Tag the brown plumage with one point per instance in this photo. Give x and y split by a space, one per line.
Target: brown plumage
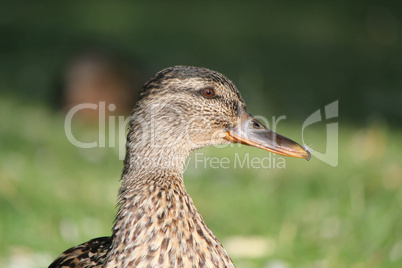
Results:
179 110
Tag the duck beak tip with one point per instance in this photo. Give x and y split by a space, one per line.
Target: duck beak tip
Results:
308 157
266 139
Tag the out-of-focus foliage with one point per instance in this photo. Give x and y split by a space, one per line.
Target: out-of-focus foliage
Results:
287 57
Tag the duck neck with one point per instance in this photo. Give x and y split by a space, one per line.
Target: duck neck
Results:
153 169
152 163
157 223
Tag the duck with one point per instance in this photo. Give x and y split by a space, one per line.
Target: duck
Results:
179 110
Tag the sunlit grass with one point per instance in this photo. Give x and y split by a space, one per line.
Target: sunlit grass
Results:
54 195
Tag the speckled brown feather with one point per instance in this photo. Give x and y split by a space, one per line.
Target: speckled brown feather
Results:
91 254
157 224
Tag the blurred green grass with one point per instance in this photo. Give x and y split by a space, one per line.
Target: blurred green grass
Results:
54 195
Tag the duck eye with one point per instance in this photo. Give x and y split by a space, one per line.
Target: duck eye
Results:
208 93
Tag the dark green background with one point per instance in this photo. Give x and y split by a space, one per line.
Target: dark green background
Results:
291 57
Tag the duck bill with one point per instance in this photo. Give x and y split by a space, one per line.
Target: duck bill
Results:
253 133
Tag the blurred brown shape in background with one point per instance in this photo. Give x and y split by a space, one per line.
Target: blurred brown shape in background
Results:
95 76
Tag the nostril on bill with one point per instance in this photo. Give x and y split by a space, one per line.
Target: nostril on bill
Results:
256 125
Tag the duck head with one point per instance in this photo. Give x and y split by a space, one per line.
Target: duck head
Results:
184 108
